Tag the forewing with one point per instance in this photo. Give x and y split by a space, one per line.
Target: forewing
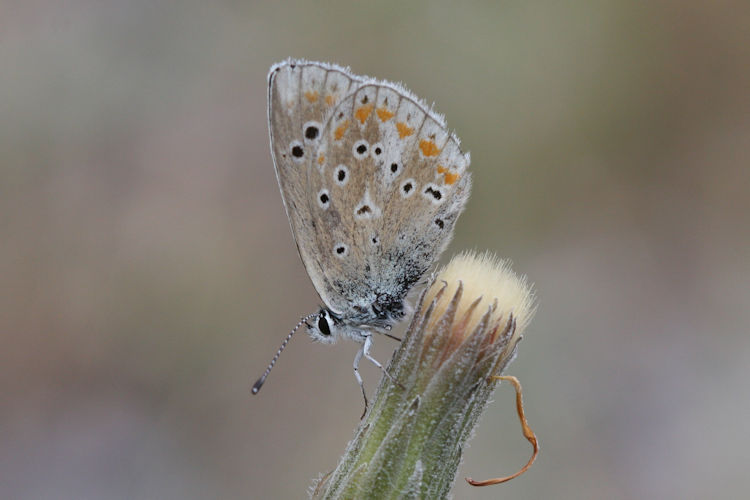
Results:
301 96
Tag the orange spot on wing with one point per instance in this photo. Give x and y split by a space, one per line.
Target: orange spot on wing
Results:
330 100
321 159
340 130
428 147
451 178
363 113
312 96
384 114
404 130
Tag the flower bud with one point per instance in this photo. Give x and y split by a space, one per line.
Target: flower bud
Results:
464 331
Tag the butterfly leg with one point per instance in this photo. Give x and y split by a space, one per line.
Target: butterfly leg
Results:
366 351
357 359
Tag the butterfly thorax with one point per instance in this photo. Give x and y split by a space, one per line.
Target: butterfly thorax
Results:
357 323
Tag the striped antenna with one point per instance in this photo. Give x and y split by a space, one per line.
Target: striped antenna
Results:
259 383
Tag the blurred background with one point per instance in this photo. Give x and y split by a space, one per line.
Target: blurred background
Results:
148 272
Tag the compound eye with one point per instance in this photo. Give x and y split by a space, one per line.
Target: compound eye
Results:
323 325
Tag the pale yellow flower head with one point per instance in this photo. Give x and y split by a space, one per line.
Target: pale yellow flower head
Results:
488 282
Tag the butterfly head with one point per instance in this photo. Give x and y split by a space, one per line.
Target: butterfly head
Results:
325 327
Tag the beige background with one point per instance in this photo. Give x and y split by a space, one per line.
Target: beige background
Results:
148 272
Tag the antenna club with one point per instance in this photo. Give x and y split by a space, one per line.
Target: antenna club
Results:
257 385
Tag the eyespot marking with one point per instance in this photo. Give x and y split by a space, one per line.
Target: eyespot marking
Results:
433 193
408 187
393 170
324 199
440 223
311 130
366 209
298 152
359 150
341 175
340 250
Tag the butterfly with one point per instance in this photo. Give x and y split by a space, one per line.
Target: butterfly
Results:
372 182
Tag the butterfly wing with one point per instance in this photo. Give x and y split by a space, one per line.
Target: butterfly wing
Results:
387 186
301 96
